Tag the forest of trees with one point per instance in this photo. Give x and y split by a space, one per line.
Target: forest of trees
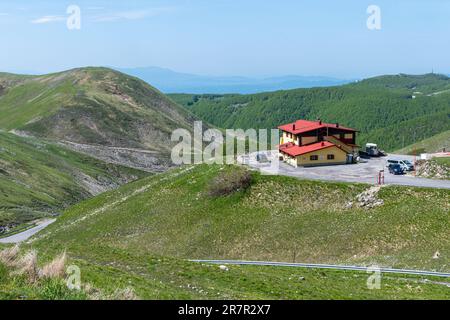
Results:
393 111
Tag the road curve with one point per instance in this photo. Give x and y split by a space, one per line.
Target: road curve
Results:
325 266
25 235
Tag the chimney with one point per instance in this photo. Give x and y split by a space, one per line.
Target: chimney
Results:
337 124
323 143
293 127
319 120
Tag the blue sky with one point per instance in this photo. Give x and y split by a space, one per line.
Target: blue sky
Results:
229 37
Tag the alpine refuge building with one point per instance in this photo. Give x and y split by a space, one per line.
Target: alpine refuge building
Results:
312 143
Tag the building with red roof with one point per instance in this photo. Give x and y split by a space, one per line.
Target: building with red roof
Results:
310 143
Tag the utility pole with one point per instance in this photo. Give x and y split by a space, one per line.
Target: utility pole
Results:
415 151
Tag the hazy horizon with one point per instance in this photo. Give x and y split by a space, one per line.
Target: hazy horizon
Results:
259 77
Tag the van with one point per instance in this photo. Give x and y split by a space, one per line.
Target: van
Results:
405 164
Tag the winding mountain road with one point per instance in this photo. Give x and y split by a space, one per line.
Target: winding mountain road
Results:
25 235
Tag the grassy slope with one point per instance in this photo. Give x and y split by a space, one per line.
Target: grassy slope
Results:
14 287
434 144
164 278
91 105
39 178
443 161
381 108
170 215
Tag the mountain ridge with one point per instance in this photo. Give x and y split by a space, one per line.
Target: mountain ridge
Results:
95 106
169 81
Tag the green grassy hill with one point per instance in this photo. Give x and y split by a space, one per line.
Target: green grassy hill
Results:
141 234
91 106
392 111
421 84
110 275
434 144
38 178
121 237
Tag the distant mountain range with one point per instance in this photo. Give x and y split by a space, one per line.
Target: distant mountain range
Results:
169 81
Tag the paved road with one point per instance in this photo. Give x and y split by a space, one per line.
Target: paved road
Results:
22 236
324 266
366 172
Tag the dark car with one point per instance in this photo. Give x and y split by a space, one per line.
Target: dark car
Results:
261 157
395 168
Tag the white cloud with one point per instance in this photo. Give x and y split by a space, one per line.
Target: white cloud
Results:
131 15
48 19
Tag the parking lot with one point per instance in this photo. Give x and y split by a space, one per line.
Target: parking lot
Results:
364 172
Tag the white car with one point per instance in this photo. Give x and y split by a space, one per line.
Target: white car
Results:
405 164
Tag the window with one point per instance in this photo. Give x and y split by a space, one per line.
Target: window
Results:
314 158
330 157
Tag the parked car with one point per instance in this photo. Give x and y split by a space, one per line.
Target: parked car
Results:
405 164
395 168
409 164
262 158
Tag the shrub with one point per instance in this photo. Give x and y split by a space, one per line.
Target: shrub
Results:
28 267
56 289
230 181
27 264
8 256
56 268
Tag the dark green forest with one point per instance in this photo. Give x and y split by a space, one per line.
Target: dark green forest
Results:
393 111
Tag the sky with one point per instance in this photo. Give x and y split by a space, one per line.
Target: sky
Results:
228 37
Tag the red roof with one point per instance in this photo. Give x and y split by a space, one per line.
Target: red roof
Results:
301 126
294 150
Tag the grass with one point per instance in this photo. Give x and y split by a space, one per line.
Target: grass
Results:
442 161
93 106
17 288
153 277
21 277
140 234
38 178
277 218
32 99
430 145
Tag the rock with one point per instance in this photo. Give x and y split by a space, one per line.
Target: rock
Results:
223 268
436 255
432 169
368 199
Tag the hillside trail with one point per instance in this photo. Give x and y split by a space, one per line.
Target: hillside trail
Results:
113 204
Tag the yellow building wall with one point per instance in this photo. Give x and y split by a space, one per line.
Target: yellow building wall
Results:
285 138
291 160
340 157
